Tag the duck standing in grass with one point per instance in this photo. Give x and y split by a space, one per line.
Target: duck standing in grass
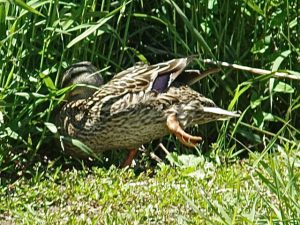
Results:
142 103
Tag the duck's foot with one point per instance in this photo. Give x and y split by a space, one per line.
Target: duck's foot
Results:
132 154
185 138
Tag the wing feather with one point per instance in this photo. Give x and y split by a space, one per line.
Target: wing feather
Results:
140 79
144 76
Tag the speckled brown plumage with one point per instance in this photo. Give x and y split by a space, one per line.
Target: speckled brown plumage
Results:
138 105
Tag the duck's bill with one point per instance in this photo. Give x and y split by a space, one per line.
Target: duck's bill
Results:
224 114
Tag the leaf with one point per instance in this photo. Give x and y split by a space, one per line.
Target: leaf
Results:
93 28
260 46
150 17
211 4
283 87
255 100
279 59
48 81
83 147
191 27
12 134
190 160
249 135
51 127
1 118
9 77
138 54
241 88
2 21
258 118
269 117
26 7
255 7
89 31
184 161
23 94
173 159
199 174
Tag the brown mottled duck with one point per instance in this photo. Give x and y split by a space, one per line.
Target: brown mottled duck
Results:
139 104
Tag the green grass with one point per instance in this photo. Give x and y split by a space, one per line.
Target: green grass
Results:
198 191
246 170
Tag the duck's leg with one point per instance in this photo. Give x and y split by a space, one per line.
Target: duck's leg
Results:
185 138
130 157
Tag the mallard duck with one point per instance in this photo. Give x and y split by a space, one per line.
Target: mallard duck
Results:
139 104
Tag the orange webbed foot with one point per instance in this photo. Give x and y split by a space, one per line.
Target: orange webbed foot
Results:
185 138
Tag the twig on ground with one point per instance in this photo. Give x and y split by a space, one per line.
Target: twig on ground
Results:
155 157
164 148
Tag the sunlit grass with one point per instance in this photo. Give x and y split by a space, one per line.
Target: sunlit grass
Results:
252 191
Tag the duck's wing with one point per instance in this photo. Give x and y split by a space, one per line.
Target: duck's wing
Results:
143 77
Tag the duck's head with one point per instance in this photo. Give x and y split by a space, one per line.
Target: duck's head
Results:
86 78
